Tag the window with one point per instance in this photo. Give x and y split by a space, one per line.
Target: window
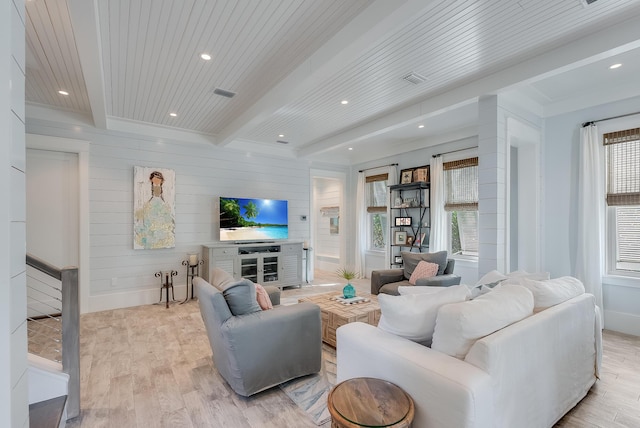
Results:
622 151
376 189
461 203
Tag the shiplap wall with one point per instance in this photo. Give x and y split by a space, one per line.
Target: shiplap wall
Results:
13 307
122 276
326 193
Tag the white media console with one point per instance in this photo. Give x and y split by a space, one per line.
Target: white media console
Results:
277 263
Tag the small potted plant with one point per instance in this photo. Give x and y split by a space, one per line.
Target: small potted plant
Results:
349 290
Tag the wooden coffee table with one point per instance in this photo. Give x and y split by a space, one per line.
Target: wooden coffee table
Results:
334 314
368 402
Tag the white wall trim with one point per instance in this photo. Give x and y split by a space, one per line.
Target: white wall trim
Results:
127 299
81 147
622 322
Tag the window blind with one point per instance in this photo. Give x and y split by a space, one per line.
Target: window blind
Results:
623 167
461 185
628 228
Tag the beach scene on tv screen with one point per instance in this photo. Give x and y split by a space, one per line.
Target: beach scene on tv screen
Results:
253 219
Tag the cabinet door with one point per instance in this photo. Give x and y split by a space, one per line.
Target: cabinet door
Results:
249 269
270 269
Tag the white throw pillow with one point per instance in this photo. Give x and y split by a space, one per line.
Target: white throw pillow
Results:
516 278
491 277
413 316
459 325
553 291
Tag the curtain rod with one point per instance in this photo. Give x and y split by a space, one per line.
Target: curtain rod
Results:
381 166
609 118
453 151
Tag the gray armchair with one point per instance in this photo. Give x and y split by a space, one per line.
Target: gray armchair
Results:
387 281
258 350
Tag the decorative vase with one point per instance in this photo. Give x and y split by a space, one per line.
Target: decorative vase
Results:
348 291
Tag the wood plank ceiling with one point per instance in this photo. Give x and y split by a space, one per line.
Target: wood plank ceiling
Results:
290 62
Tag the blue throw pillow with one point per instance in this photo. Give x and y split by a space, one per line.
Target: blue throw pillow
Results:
241 297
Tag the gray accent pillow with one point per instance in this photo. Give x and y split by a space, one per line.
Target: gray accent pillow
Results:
241 297
411 260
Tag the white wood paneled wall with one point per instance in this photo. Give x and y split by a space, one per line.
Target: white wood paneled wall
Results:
122 276
13 306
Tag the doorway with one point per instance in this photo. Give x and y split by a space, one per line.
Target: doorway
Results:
52 222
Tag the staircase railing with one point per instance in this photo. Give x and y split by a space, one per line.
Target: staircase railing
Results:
70 314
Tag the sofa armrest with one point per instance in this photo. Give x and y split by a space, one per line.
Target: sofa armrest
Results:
447 392
274 294
440 280
385 276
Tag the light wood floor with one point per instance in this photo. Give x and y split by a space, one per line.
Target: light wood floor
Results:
150 367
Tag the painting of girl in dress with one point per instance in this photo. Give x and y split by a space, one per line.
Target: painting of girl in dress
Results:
154 208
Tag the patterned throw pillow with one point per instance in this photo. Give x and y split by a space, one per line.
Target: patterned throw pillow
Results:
423 270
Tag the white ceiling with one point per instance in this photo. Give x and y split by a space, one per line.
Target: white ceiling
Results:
128 63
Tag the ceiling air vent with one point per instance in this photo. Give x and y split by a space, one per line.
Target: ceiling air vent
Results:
282 142
224 93
414 78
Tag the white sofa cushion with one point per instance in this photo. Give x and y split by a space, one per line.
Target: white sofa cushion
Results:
553 291
459 325
413 316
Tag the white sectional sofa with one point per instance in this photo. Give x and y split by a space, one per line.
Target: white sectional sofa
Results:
528 374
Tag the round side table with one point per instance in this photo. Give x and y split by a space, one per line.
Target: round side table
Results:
369 402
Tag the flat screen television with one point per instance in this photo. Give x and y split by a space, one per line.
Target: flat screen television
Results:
253 219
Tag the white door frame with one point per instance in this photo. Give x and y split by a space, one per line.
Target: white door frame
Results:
68 145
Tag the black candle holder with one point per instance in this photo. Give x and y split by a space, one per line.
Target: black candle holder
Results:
193 270
168 284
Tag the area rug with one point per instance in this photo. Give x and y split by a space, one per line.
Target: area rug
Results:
310 393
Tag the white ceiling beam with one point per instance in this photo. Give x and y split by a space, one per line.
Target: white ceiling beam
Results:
595 47
376 22
86 29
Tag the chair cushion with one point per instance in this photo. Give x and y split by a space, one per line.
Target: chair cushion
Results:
411 260
241 297
423 270
413 316
459 325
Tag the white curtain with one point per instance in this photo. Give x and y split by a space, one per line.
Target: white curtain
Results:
438 234
591 213
361 226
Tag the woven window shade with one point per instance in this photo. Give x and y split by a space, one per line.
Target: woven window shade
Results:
377 193
461 184
623 167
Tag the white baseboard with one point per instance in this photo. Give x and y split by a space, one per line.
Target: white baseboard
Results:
622 322
127 299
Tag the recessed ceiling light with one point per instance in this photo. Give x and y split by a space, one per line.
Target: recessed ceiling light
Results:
281 135
420 126
350 148
205 56
344 102
614 66
173 114
63 92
